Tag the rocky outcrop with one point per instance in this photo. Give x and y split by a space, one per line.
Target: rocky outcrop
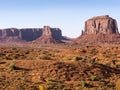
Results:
101 24
10 35
50 35
100 30
30 34
40 35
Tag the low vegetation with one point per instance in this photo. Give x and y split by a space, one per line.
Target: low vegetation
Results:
45 68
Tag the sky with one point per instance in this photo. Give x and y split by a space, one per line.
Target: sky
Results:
68 15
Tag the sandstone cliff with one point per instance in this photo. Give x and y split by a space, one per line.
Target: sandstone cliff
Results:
50 35
30 34
101 24
100 30
10 35
40 35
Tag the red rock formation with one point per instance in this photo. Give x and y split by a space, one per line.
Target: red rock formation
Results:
40 35
50 35
10 35
101 24
46 31
100 30
30 34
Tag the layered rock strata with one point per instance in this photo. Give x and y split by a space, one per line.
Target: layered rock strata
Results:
99 30
31 34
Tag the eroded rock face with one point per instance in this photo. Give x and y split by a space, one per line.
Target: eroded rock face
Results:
54 32
30 34
10 35
46 31
42 35
101 24
50 35
99 30
9 32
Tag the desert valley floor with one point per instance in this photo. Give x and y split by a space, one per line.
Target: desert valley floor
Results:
59 67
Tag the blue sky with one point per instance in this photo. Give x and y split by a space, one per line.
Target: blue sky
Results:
68 15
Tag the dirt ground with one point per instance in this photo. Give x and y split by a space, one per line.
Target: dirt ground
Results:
84 68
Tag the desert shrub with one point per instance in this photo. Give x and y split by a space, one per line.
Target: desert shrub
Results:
72 58
102 83
83 84
22 57
84 51
118 66
31 58
27 52
56 51
114 61
20 87
16 56
106 53
84 58
8 58
53 84
14 49
92 62
12 66
67 58
66 88
93 77
45 57
94 51
34 88
77 58
108 64
44 52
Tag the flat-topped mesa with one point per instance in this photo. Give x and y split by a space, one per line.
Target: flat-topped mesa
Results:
99 30
30 34
101 17
18 35
50 35
39 35
53 32
10 35
101 24
9 32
